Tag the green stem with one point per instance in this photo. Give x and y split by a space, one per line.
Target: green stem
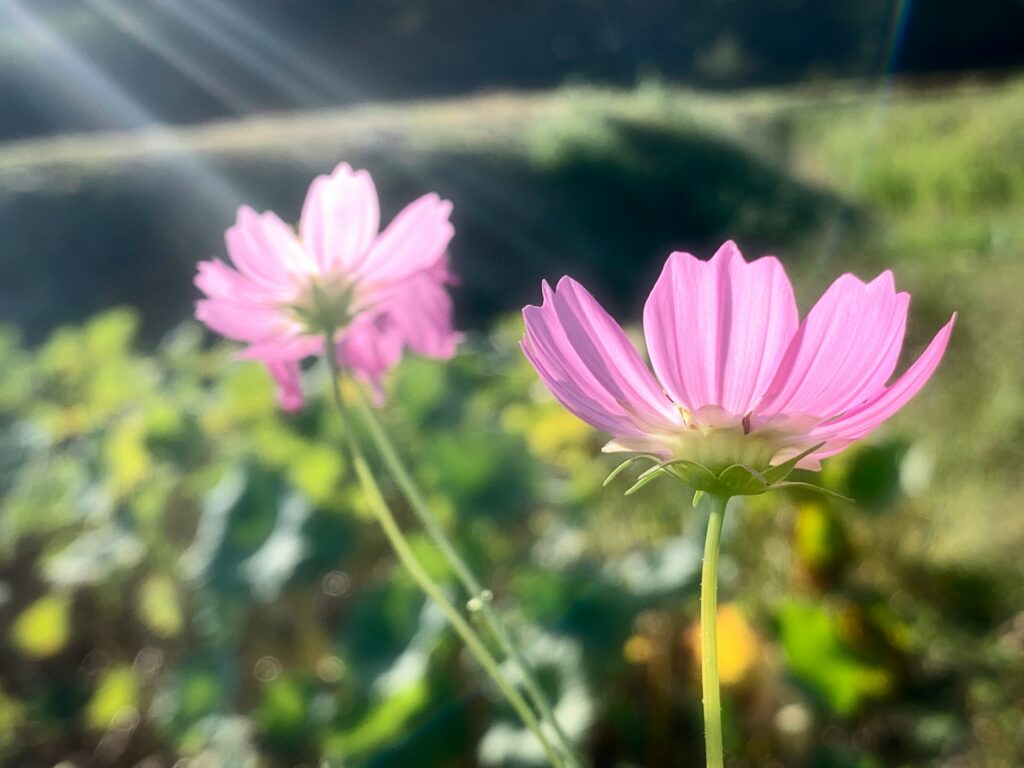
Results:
423 579
464 574
709 635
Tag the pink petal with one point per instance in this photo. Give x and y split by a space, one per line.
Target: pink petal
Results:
340 219
417 315
288 378
239 322
653 445
219 281
370 348
845 351
421 312
859 422
590 366
415 241
266 250
717 330
289 345
581 403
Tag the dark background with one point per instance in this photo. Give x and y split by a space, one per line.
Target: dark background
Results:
337 53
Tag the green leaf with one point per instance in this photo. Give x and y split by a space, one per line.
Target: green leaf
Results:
873 474
115 697
781 471
159 605
283 710
811 635
378 726
316 470
44 627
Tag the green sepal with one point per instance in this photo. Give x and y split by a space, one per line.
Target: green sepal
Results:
644 479
812 487
734 480
626 464
780 472
695 475
697 496
742 480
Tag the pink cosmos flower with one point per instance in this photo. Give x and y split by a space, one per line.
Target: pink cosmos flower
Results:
379 293
738 378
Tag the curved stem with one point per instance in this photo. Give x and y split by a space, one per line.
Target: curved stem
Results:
426 583
462 571
709 635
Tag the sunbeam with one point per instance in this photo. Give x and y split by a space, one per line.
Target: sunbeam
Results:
229 43
133 26
897 31
75 78
254 45
321 80
270 57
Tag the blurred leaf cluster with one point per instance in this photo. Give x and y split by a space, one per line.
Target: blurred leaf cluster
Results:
185 572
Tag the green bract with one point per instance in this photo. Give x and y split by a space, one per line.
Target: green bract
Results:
326 306
733 480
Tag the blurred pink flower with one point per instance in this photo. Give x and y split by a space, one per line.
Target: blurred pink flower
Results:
738 379
381 292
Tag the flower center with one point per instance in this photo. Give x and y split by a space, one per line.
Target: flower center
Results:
717 439
325 305
720 447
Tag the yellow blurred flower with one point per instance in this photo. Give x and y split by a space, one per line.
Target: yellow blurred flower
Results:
552 433
739 648
638 649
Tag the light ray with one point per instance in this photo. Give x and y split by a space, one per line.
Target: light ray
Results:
897 32
326 82
253 43
258 48
85 85
226 42
135 27
504 215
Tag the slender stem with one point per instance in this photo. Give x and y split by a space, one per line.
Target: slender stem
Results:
426 583
461 626
463 572
709 635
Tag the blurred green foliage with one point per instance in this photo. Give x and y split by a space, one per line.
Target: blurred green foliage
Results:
198 578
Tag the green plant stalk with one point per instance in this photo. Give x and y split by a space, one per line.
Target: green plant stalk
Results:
709 635
464 574
408 558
